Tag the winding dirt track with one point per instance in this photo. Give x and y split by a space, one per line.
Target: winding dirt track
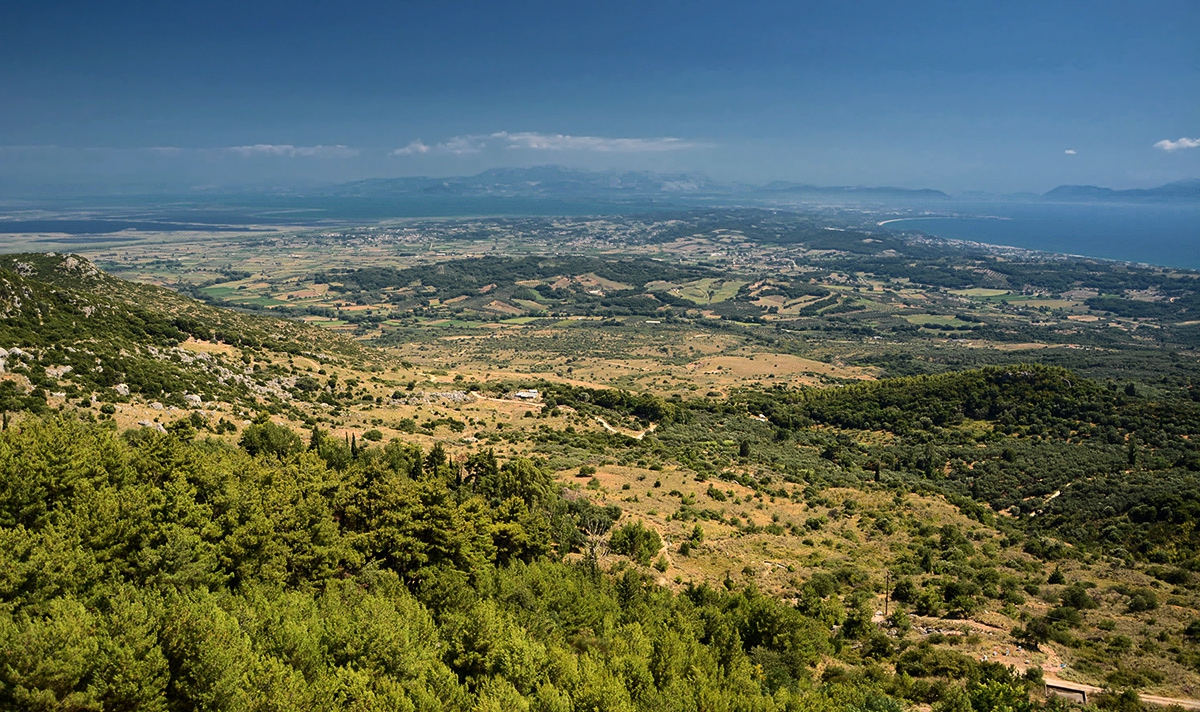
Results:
1052 681
636 436
1053 661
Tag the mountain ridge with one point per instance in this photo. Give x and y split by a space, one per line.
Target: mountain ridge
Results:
1183 190
553 181
559 181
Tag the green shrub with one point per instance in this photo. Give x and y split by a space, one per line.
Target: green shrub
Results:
264 437
636 541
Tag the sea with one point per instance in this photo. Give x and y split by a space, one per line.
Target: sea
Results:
1159 234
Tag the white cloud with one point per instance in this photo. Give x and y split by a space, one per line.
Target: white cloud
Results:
414 147
1070 152
458 145
563 142
532 141
1177 145
290 151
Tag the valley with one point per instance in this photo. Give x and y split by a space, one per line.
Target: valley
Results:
939 456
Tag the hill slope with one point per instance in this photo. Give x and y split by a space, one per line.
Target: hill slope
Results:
72 329
584 548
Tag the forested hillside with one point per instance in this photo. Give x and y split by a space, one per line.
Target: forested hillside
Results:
1097 464
153 572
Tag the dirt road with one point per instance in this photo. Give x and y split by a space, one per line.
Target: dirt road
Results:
1069 686
636 436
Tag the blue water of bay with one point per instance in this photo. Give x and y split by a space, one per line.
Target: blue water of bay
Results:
1159 234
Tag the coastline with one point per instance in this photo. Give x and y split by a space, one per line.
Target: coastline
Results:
943 217
1151 235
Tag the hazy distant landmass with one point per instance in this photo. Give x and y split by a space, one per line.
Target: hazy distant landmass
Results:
539 181
559 182
850 191
566 183
1184 190
553 182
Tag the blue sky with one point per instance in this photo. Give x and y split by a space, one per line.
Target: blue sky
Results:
999 96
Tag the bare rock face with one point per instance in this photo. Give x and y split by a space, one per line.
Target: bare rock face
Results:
78 266
152 424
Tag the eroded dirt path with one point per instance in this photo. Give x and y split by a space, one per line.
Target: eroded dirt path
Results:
636 436
1080 687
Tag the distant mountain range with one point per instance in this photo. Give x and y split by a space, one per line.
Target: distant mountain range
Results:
1184 190
559 182
565 183
560 185
536 182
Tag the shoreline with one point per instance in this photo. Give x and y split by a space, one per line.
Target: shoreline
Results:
1165 243
943 217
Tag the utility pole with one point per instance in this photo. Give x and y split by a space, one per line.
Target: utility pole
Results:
887 591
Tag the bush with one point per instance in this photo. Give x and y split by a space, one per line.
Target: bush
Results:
266 438
373 435
927 661
636 541
1076 596
1142 599
1192 630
